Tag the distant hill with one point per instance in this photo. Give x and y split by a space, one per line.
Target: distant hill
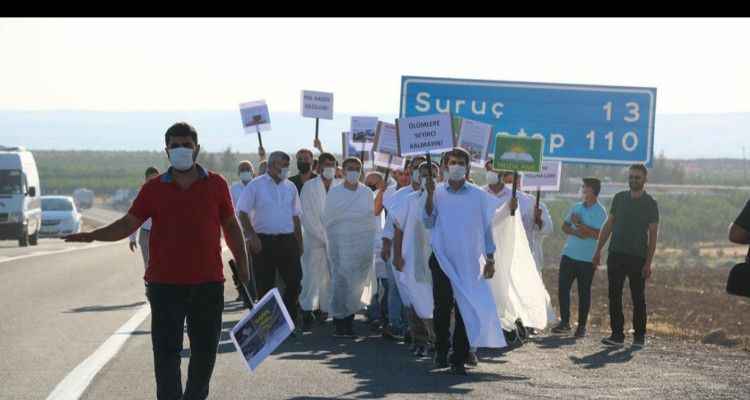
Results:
679 136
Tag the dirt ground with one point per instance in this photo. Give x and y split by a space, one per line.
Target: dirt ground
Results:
688 303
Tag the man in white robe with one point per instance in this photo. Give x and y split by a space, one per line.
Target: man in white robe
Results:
411 257
459 214
397 296
316 275
350 231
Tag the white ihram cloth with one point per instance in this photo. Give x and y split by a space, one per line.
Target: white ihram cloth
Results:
316 274
391 204
350 229
415 249
458 241
517 286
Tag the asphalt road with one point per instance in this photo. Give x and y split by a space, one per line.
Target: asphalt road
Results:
58 309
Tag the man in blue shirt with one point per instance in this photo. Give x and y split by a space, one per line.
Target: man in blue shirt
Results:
582 225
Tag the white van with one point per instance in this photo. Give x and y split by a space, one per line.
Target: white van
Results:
20 197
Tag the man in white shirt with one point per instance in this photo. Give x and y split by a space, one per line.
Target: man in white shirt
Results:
246 172
142 235
270 215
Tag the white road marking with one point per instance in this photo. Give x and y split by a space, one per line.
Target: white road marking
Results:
76 382
50 252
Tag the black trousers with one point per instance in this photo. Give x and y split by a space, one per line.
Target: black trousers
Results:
280 253
444 304
570 270
171 305
619 267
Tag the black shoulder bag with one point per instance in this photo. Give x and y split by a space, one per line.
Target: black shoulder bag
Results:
738 283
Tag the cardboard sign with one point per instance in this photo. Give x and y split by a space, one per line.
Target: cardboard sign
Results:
316 104
351 149
429 133
548 180
518 153
363 131
255 116
385 147
475 137
262 330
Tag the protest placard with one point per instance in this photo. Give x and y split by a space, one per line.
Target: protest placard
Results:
350 149
476 138
429 133
262 330
385 147
316 104
518 153
363 132
255 116
548 180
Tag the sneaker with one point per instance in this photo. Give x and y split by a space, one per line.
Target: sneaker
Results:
440 360
391 334
613 341
472 359
418 351
581 332
638 343
561 328
458 369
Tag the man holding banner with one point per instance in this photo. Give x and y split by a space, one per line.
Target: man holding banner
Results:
459 215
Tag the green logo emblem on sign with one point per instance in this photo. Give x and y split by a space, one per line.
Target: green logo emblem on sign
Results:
518 153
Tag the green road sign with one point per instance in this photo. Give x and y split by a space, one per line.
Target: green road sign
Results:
518 153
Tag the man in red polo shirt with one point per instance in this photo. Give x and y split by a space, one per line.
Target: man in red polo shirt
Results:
188 206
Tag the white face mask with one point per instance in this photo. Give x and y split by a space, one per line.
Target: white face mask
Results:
492 178
181 158
246 176
352 176
329 173
456 172
423 181
284 173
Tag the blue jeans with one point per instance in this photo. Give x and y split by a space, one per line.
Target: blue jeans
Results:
378 305
395 306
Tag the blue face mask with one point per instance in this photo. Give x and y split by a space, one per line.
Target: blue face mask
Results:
181 158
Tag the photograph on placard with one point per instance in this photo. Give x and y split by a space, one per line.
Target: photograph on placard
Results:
474 137
389 161
262 330
255 116
518 153
316 104
352 149
363 130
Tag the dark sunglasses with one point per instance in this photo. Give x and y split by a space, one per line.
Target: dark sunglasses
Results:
635 178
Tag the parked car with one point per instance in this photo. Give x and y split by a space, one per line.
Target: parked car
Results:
20 208
84 198
59 216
